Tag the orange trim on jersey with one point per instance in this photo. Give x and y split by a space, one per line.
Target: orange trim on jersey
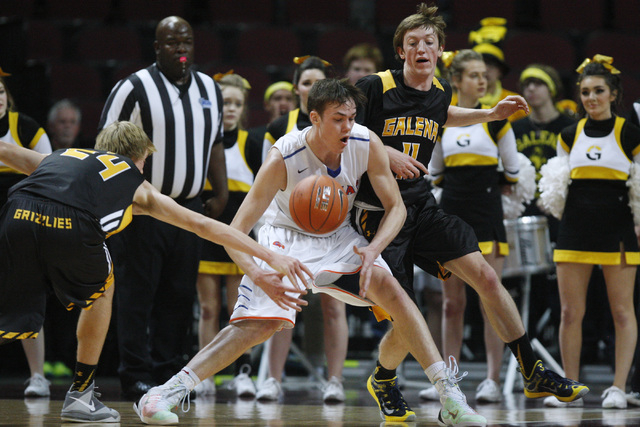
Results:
237 319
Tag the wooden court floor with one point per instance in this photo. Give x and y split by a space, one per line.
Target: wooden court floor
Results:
303 406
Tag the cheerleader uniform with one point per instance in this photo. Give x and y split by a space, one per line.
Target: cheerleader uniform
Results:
597 217
242 158
294 120
464 163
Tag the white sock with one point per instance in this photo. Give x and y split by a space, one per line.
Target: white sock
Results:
436 371
188 378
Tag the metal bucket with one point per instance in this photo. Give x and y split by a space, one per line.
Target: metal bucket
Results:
529 246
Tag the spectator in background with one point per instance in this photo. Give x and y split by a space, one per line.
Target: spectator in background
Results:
63 124
487 41
278 101
243 156
21 130
361 60
156 263
633 397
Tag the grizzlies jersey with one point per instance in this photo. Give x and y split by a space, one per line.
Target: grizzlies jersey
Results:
301 162
98 182
407 119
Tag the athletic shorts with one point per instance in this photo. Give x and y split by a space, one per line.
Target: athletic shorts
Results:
46 246
329 259
429 238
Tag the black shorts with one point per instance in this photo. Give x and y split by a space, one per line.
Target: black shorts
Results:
47 246
429 238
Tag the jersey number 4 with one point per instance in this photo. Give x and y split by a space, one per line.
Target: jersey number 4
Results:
111 167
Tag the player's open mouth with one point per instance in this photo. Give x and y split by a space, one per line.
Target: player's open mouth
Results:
422 60
344 140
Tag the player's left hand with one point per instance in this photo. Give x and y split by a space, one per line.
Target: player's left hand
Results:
368 256
508 106
293 268
404 165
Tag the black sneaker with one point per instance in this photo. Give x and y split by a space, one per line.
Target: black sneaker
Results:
544 382
392 405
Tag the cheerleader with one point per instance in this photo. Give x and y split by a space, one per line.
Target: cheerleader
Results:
597 226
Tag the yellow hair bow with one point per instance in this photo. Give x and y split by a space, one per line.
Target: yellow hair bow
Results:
493 21
218 76
447 57
4 74
606 61
300 59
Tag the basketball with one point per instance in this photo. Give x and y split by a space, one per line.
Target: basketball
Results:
318 204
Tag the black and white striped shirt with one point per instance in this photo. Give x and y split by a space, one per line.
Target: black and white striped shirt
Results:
183 124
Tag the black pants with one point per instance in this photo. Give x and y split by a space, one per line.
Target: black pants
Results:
156 268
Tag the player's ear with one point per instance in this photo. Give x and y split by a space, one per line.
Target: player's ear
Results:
314 117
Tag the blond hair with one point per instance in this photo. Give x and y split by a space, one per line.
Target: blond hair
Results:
425 17
126 139
239 82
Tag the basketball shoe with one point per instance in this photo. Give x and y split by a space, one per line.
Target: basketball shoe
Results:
455 410
392 405
84 407
544 382
156 405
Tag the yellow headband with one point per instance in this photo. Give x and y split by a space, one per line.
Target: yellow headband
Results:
3 74
273 88
600 59
490 49
218 76
447 57
537 73
300 59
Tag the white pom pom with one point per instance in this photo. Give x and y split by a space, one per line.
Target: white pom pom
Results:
634 191
513 204
554 185
437 192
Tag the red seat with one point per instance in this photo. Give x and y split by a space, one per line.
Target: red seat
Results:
467 14
572 14
620 46
331 12
79 9
125 70
155 10
44 40
75 80
208 46
333 44
104 43
389 13
522 48
91 111
625 14
246 11
456 40
630 89
268 46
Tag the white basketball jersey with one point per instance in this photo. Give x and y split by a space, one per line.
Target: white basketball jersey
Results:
301 162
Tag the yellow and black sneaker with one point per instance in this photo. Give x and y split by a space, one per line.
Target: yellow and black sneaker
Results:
544 382
392 405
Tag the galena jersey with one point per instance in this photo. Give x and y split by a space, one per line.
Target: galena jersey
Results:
301 162
406 119
98 182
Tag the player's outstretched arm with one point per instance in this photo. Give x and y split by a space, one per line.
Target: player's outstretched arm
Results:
20 158
148 200
385 187
458 116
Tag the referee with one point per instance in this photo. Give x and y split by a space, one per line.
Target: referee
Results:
156 263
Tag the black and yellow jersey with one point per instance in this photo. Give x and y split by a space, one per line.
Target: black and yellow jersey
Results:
98 182
293 120
407 119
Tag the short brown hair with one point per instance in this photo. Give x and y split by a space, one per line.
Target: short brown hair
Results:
126 139
425 17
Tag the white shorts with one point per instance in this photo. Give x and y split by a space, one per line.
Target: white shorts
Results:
328 258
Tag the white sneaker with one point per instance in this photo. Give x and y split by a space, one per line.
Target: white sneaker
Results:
429 393
488 391
243 383
613 397
38 386
269 390
633 398
333 391
205 388
553 402
156 405
455 410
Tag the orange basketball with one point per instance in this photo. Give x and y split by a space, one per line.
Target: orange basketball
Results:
318 204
